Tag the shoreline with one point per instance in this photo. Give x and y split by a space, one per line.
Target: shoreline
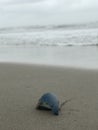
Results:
21 86
28 64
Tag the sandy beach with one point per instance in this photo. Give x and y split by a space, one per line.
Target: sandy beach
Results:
22 85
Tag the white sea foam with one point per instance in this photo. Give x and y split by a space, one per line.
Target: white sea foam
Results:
49 36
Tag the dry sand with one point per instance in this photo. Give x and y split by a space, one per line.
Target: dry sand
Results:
22 85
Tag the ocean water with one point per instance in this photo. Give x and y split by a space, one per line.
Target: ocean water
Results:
64 45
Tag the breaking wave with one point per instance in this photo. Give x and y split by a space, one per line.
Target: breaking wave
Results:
54 35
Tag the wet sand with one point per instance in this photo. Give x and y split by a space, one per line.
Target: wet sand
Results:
22 85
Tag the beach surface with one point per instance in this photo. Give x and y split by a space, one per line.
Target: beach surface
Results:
22 85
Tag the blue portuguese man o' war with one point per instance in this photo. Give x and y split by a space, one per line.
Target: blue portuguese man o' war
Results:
49 101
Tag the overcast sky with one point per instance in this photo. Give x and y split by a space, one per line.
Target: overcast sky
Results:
36 12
